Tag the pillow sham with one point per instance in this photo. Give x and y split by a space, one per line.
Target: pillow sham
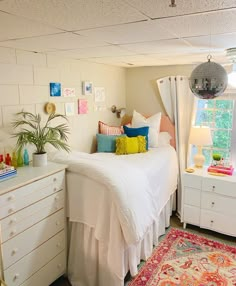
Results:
105 129
106 143
134 132
164 139
130 145
153 122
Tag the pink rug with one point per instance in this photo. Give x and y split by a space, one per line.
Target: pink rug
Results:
187 259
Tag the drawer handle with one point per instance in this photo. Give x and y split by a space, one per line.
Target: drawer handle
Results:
11 210
56 198
212 221
11 197
213 188
12 220
59 245
54 180
14 251
55 189
59 265
16 276
13 232
58 222
212 204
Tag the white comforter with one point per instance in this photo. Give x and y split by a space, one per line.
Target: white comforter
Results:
134 182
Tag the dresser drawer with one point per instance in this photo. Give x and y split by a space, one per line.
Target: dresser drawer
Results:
25 242
218 222
218 203
20 221
192 196
192 181
192 215
29 194
219 186
32 262
49 273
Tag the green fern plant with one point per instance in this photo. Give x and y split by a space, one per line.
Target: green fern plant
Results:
31 132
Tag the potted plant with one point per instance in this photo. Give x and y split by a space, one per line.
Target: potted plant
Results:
32 132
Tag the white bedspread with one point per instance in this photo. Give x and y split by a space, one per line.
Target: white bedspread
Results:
134 183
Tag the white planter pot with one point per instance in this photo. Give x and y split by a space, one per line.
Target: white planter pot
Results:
40 160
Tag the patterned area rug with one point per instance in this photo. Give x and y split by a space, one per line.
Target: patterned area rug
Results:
187 259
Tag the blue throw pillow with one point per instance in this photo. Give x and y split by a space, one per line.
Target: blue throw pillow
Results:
107 143
133 132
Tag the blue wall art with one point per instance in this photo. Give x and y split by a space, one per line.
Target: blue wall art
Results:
55 89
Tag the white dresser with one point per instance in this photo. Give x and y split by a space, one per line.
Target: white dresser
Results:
209 201
32 221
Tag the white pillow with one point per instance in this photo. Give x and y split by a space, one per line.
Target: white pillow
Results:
152 122
164 139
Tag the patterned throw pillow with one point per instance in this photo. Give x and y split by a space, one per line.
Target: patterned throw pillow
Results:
130 145
133 132
109 130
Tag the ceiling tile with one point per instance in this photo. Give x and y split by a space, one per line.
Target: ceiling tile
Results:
159 46
130 33
161 8
106 51
74 15
214 42
13 27
61 41
201 24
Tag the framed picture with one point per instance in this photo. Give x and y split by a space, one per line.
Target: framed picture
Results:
55 89
87 88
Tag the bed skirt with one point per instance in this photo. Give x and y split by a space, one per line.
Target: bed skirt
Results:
88 263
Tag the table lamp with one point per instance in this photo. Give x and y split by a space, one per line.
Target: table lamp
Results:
200 136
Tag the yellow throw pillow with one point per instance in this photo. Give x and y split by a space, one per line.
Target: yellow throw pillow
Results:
130 145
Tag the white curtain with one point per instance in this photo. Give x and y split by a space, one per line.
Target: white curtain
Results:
179 102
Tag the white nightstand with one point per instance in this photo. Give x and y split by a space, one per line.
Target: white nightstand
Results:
209 201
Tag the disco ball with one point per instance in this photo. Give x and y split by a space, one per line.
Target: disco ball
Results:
208 80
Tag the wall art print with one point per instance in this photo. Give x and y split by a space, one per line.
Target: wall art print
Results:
82 106
87 87
55 89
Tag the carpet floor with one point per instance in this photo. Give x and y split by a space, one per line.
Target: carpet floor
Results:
175 222
184 258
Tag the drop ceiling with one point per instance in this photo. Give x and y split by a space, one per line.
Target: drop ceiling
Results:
126 33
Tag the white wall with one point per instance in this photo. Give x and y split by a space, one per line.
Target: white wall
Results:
24 84
142 92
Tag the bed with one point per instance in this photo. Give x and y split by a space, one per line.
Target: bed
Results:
118 206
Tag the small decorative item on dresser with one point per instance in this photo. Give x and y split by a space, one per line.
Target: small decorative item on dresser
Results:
33 132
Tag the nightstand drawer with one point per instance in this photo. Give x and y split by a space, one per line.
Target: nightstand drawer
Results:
192 196
192 215
192 181
218 203
25 242
31 263
20 221
218 222
219 186
50 272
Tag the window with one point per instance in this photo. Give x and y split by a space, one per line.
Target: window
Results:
218 115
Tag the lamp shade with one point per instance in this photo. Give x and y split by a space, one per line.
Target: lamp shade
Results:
200 136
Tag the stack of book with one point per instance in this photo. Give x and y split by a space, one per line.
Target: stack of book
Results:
6 172
221 169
